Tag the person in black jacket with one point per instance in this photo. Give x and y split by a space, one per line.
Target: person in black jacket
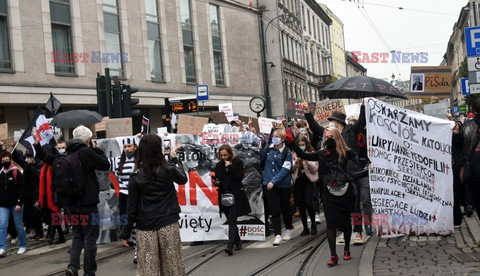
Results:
229 173
85 233
153 205
334 161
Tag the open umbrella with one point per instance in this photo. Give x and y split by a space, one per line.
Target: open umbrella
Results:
74 118
360 87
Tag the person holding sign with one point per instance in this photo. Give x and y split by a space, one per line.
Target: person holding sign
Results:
338 195
229 173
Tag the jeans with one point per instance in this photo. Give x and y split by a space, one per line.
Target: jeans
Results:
84 237
18 219
363 201
279 203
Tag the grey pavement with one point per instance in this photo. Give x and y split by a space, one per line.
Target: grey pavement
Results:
458 254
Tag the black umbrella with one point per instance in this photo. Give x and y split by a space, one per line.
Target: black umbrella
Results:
74 118
360 87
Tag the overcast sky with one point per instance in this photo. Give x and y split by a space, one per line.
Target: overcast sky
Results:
422 26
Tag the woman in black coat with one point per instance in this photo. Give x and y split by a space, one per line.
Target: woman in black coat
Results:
229 173
335 160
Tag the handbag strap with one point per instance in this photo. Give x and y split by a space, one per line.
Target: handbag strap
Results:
346 174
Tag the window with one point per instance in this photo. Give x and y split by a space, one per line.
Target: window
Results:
188 50
309 25
303 18
112 37
5 60
314 29
62 37
154 43
217 45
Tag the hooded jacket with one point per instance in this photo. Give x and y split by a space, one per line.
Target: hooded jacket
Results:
11 187
152 202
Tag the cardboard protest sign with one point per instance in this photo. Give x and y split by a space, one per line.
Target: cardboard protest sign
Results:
162 130
295 108
119 127
219 117
353 110
325 108
102 126
254 121
411 178
190 124
4 131
438 110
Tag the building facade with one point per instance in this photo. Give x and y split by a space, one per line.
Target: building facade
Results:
298 57
337 38
163 47
354 68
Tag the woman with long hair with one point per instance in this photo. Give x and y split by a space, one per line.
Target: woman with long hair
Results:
229 173
304 176
153 206
334 161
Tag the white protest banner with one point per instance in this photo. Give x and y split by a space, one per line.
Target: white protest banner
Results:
227 108
214 129
411 179
265 124
438 110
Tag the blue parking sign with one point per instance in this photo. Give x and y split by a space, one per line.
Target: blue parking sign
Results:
472 41
465 87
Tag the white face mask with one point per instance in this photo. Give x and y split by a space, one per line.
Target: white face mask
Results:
61 151
303 147
332 124
276 141
235 129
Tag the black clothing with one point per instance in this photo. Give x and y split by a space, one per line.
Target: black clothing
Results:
153 203
12 187
230 179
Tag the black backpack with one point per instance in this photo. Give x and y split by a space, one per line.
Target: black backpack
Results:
68 176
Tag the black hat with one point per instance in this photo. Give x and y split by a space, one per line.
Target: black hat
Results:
338 116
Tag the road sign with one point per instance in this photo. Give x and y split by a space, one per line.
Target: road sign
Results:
474 88
472 41
455 109
474 77
473 63
202 93
465 87
53 104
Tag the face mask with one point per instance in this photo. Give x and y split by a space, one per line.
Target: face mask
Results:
235 129
301 129
330 144
129 154
303 147
61 151
6 165
276 141
332 124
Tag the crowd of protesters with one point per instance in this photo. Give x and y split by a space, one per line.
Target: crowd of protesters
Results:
303 161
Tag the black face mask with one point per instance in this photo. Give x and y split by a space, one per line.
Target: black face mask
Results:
129 154
6 165
330 144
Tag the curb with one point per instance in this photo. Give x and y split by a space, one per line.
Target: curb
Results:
474 227
365 267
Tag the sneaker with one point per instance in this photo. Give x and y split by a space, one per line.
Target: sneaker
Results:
317 218
341 239
358 239
21 250
457 226
369 230
3 252
288 235
278 240
14 241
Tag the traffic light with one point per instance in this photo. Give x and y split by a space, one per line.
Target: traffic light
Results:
101 95
128 102
117 99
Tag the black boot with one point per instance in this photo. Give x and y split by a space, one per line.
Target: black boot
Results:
314 229
305 232
229 249
238 245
